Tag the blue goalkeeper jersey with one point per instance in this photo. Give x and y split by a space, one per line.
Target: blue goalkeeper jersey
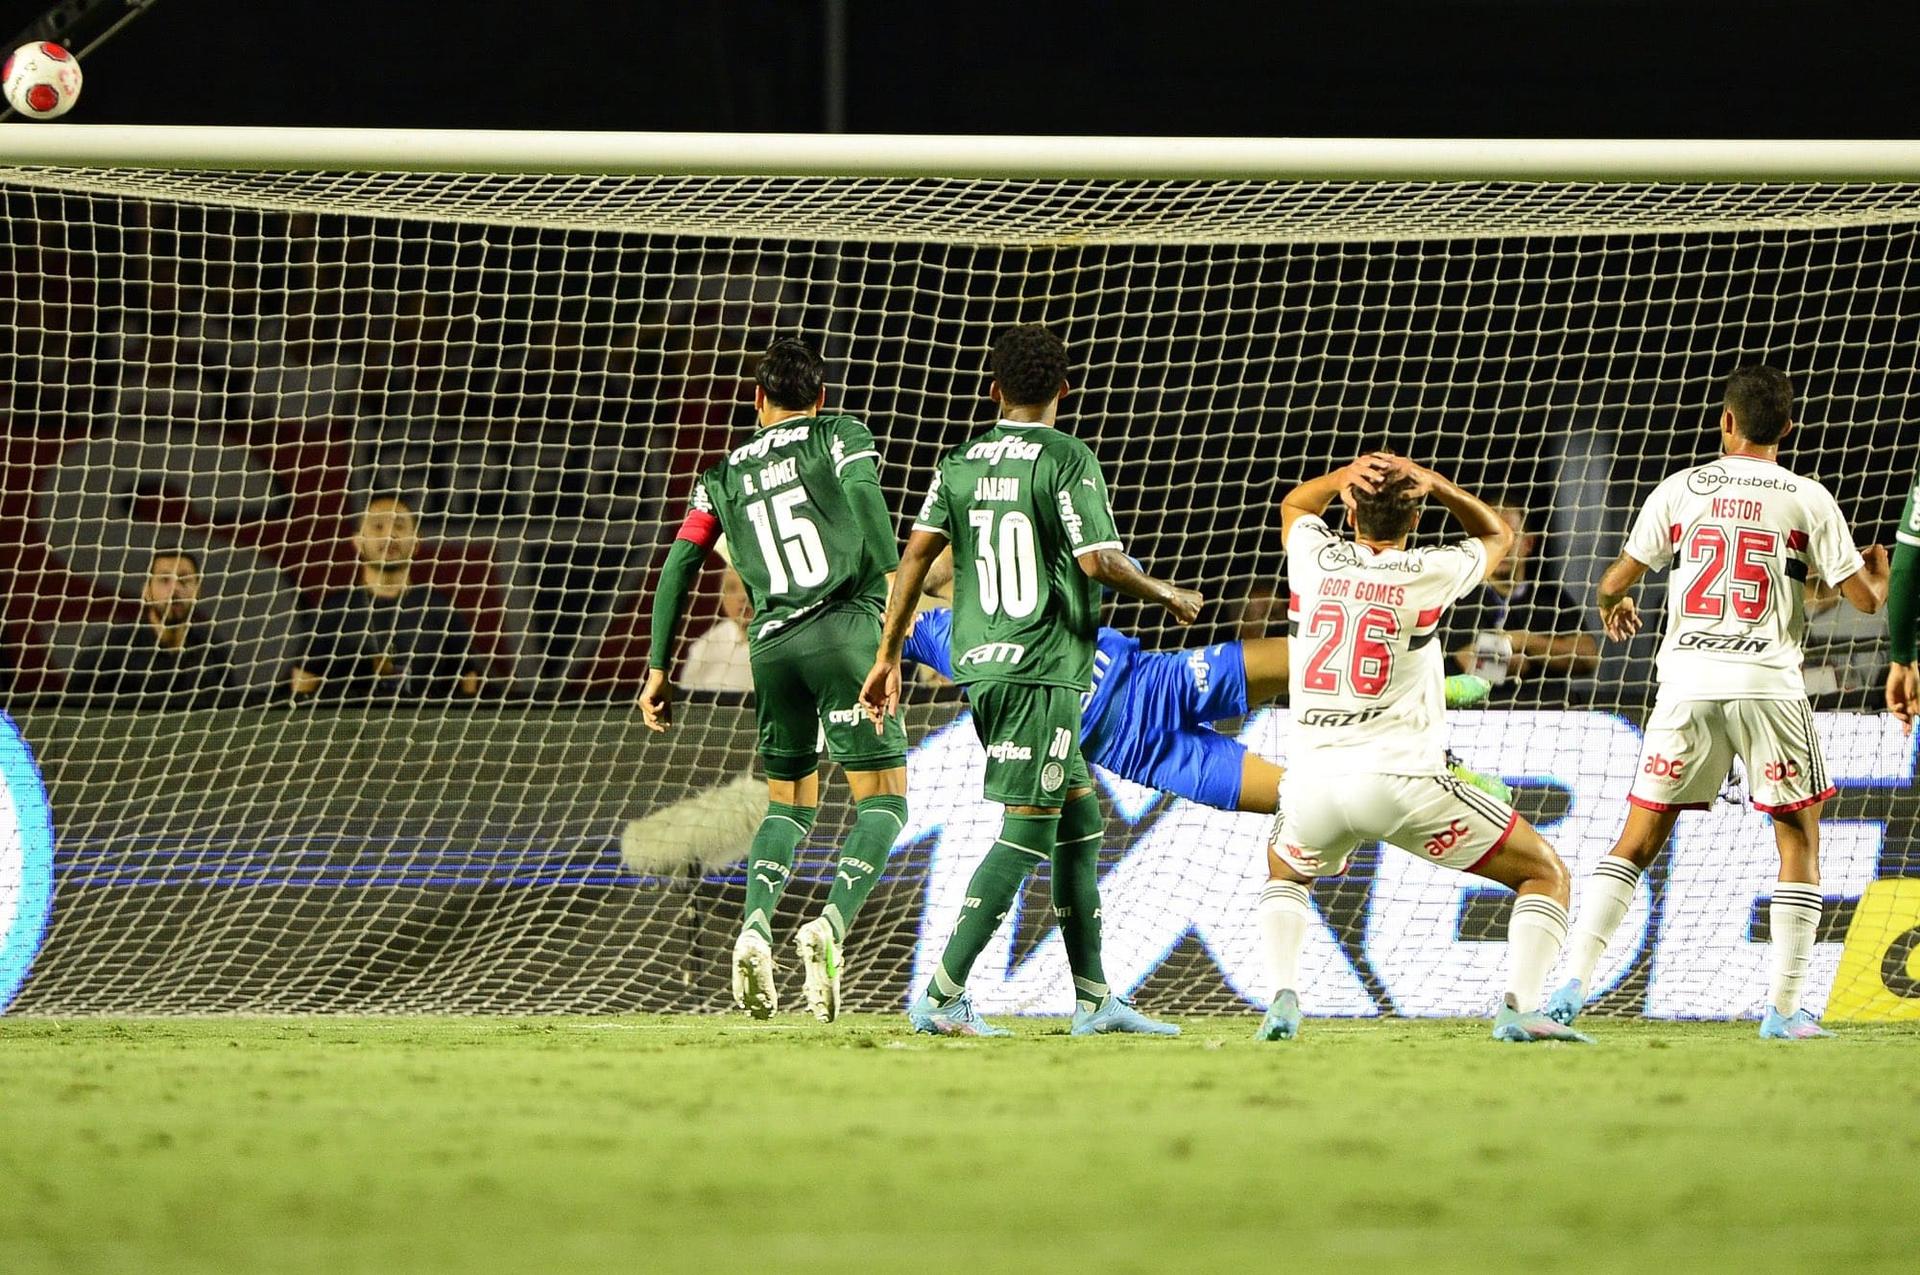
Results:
930 643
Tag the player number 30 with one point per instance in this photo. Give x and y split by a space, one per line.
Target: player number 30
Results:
1005 562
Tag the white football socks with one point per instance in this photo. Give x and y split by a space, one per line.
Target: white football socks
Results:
1286 908
1609 895
1535 933
1795 917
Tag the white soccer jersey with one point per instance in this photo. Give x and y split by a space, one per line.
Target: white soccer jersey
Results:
1742 535
1367 675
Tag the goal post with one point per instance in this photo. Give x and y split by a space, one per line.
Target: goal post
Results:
225 342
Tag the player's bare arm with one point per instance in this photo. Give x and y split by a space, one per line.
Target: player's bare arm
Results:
880 695
656 701
1118 572
1866 589
1311 498
1476 517
1619 618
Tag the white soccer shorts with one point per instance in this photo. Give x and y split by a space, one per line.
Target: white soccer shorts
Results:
1691 743
1323 818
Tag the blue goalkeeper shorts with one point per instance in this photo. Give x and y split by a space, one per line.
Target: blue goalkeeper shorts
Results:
1156 731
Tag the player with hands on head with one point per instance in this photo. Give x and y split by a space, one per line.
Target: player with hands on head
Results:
1367 759
1024 506
1744 536
806 523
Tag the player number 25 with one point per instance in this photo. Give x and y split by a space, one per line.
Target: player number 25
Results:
795 551
1751 587
1008 571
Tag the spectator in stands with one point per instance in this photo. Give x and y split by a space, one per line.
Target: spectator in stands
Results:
169 659
389 636
717 659
1526 636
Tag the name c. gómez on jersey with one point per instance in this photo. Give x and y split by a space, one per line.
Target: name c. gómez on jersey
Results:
780 500
1742 535
1367 677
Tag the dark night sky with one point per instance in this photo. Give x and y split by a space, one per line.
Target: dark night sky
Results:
1338 67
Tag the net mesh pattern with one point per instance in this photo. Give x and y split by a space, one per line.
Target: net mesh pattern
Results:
233 364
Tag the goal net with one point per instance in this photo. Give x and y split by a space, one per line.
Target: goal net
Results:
212 372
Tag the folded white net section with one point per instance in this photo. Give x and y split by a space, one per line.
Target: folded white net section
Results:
229 365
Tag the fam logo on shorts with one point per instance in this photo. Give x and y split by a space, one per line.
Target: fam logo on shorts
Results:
26 859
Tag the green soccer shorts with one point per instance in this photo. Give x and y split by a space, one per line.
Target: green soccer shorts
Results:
807 680
1032 738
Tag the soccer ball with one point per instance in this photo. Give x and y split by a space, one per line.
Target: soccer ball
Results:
42 81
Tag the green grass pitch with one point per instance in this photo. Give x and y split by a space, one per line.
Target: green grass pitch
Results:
625 1144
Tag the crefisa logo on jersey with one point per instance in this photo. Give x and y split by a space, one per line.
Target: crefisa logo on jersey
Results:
26 859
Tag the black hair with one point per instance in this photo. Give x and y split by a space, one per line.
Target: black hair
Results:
1390 513
1761 400
1030 363
791 374
187 554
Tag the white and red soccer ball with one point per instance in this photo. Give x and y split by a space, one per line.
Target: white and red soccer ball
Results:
42 81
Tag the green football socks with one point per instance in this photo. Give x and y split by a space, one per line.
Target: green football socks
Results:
1025 842
770 862
1076 895
877 822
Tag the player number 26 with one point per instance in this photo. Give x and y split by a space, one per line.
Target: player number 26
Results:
1357 645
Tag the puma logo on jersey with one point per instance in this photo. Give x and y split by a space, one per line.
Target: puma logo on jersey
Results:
1732 643
844 717
1007 750
995 450
767 440
994 653
996 489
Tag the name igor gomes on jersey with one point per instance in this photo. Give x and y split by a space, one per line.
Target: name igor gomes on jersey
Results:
1743 537
1367 676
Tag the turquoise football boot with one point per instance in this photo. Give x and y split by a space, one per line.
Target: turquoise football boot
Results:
1283 1018
954 1019
1116 1015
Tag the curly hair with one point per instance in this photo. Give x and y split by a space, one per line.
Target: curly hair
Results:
792 374
1030 363
1390 513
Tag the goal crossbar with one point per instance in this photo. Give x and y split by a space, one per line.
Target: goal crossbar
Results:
880 155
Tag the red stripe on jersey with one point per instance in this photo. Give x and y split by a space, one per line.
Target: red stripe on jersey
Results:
1797 540
1673 533
700 527
1430 616
1293 602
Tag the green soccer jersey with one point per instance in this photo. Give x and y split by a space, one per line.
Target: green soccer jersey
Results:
791 528
1020 503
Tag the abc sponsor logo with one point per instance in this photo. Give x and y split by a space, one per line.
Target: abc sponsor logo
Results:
1447 838
1780 771
1661 768
844 717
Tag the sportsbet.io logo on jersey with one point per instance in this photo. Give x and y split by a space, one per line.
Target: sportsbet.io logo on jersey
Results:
26 859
